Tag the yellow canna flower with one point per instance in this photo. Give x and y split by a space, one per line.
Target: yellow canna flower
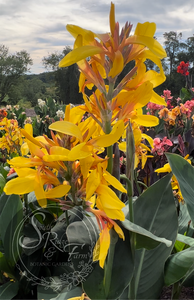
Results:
105 224
109 53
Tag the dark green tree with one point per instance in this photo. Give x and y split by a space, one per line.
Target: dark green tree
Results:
12 67
66 79
32 90
173 46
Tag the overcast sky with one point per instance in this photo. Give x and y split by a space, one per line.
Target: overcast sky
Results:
39 26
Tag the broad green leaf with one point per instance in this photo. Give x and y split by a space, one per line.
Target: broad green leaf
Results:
2 183
184 221
123 265
10 227
9 290
4 266
178 265
122 272
185 239
184 173
49 294
3 201
85 233
155 211
144 238
94 286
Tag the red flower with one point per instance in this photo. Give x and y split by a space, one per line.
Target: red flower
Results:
183 68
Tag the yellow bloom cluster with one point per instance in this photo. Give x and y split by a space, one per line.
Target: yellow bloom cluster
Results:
73 153
11 139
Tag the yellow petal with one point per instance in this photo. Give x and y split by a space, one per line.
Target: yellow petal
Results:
66 127
29 129
58 191
118 64
146 29
146 120
122 146
85 164
35 150
67 112
157 99
52 158
79 151
111 138
115 214
24 149
93 182
57 150
20 185
30 138
76 114
101 247
164 169
149 42
75 30
149 139
39 191
23 172
114 182
108 198
118 230
25 162
78 54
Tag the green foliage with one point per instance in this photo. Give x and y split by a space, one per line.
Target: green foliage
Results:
32 90
12 66
184 173
185 95
66 79
47 112
149 212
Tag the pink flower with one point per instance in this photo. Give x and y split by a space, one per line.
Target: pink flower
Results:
153 108
188 108
161 146
167 94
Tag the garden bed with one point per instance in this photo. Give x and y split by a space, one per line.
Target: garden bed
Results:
186 293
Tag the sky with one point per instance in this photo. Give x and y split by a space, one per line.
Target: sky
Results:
39 26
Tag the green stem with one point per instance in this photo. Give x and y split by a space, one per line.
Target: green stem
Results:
130 160
132 289
110 91
176 289
110 160
67 217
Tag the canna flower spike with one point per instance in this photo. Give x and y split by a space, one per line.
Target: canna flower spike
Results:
114 51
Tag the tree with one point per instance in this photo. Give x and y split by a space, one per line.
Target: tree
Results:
66 79
12 67
190 49
173 45
33 89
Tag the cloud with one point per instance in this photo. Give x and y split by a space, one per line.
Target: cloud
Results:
39 27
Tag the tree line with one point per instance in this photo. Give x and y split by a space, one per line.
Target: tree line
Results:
62 83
